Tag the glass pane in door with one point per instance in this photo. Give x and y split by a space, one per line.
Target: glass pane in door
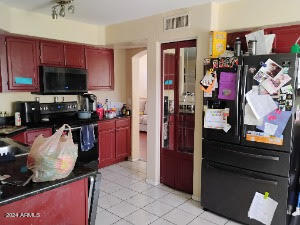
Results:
186 95
168 118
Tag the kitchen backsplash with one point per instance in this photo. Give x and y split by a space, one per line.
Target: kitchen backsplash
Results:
7 99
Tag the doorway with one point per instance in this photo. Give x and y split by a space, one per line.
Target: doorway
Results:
178 69
139 98
143 106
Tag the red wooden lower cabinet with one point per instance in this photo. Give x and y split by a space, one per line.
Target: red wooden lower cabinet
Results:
29 136
114 141
123 138
107 143
65 205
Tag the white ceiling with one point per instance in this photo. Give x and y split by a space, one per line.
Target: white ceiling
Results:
108 11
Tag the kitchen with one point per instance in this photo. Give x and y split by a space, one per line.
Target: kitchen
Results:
213 16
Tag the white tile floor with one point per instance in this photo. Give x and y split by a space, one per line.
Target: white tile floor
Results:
126 199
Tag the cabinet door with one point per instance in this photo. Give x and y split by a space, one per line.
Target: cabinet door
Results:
22 64
107 143
63 205
52 53
74 56
123 138
100 66
122 142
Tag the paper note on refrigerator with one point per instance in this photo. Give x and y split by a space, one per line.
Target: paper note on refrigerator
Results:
262 209
270 128
261 105
215 119
278 118
249 117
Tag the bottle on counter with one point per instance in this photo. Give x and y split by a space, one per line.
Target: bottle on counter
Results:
18 122
105 108
123 110
100 111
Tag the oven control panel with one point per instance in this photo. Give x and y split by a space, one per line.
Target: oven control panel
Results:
58 107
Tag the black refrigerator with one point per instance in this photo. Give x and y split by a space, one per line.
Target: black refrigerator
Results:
248 157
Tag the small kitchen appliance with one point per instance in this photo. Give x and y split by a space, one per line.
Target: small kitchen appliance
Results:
88 102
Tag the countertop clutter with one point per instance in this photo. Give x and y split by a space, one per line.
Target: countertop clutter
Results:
14 191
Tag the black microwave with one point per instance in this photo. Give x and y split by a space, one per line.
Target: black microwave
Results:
61 80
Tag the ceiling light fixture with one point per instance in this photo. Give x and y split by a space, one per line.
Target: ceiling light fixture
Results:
61 6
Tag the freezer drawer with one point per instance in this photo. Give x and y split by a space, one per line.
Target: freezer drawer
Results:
261 160
229 191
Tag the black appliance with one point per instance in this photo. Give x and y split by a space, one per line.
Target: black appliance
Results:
60 80
30 112
88 102
235 167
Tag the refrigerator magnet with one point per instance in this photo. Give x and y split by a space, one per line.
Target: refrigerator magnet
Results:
227 127
206 61
252 70
221 63
215 64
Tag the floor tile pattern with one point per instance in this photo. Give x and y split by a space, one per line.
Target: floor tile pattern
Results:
126 199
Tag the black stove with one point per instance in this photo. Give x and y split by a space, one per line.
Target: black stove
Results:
57 114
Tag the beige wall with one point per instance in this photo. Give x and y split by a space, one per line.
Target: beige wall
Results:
22 22
143 77
151 29
245 14
133 98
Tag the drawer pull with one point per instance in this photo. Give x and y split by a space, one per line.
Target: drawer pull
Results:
267 157
248 177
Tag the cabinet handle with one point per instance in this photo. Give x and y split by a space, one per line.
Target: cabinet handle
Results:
267 157
237 130
248 177
244 98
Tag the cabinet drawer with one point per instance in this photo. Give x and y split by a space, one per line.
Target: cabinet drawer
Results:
123 122
262 160
31 135
229 191
107 125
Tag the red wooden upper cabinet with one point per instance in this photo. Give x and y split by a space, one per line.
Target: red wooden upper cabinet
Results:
100 66
22 64
52 53
74 56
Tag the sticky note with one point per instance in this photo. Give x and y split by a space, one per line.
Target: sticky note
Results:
23 80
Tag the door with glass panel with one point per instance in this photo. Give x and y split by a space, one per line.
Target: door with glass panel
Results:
178 76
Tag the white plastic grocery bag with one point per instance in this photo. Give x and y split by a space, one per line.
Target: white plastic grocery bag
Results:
54 157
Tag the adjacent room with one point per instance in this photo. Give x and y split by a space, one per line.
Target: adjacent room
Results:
162 112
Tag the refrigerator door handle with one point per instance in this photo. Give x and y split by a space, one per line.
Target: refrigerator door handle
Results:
237 130
244 97
267 157
248 177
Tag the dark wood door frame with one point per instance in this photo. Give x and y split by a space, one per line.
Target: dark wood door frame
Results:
175 153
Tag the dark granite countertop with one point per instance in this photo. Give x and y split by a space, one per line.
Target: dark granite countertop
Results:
12 193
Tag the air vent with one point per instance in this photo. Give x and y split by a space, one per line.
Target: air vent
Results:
176 22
